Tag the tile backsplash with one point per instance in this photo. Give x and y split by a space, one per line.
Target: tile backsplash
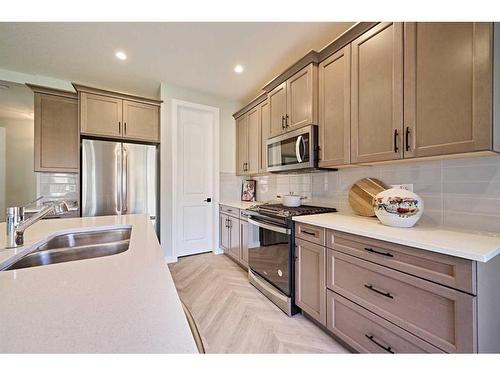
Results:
463 193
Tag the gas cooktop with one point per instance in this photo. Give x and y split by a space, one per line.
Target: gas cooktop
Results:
281 211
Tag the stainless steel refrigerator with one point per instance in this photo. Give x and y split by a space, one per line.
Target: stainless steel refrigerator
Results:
119 178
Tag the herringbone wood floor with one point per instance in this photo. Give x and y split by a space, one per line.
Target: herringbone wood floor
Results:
234 317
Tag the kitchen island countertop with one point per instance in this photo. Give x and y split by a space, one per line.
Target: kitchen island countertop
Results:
122 303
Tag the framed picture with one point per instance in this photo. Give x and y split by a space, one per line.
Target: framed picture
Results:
248 190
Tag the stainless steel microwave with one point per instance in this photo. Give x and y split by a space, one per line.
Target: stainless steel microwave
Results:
296 150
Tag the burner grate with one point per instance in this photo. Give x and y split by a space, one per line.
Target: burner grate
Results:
277 209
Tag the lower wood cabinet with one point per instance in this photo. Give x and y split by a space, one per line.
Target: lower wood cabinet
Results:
383 297
310 286
233 235
368 333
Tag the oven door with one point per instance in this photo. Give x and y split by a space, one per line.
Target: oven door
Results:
293 150
270 256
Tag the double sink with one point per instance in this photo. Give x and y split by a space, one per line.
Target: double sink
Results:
73 246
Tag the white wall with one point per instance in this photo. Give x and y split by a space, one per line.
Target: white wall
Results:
227 149
2 173
20 179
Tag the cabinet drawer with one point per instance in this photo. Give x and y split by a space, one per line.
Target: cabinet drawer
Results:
441 316
310 233
369 333
230 211
443 269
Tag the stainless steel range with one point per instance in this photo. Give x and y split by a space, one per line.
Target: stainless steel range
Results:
271 257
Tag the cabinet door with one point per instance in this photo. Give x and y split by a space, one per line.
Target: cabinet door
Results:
224 232
310 282
253 125
244 243
335 108
302 98
241 145
264 134
234 238
277 110
377 94
141 121
100 115
448 88
56 133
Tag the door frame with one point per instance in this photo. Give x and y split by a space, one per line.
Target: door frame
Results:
176 104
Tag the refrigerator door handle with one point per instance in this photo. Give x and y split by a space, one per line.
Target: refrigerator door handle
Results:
118 174
125 180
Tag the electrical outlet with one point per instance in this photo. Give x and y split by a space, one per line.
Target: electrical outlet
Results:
408 187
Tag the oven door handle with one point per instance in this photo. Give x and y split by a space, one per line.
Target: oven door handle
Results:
270 227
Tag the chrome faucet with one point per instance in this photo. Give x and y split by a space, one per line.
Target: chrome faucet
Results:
16 224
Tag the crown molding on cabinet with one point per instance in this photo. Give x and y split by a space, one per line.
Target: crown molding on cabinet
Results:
115 94
52 91
259 99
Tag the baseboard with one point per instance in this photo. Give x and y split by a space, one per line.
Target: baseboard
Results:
171 259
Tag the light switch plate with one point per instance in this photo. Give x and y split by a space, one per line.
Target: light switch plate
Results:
408 187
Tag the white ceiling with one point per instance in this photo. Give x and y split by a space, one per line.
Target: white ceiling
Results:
198 56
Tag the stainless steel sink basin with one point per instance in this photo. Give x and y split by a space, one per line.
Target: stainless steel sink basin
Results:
76 246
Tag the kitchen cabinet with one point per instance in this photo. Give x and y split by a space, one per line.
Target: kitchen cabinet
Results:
119 116
248 142
141 121
264 134
335 109
56 131
100 115
224 235
447 88
377 94
233 234
310 286
294 103
241 145
234 237
244 243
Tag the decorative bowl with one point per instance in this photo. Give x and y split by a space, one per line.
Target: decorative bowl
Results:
398 207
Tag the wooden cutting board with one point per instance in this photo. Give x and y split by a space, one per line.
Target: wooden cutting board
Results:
361 195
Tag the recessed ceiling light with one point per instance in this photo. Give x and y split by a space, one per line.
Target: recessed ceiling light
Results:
121 55
238 68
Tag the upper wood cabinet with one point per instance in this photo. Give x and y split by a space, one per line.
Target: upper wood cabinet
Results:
294 103
253 140
377 94
241 145
100 115
277 110
335 109
56 131
447 88
114 115
249 142
141 121
264 134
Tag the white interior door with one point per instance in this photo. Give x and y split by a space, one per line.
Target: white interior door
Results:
195 180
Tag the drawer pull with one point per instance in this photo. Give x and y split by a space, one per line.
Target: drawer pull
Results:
307 232
372 339
370 250
385 294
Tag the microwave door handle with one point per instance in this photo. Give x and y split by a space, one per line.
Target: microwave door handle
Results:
270 227
298 143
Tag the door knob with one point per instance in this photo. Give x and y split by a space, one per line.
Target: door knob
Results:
208 200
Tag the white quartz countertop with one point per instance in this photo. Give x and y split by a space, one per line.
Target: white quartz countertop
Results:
239 204
469 245
122 303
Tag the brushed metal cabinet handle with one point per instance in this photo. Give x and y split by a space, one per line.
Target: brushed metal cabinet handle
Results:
373 289
386 348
